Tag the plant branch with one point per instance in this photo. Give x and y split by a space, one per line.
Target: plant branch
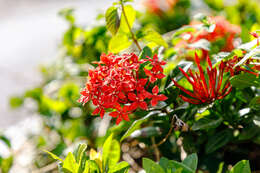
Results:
168 134
156 150
129 27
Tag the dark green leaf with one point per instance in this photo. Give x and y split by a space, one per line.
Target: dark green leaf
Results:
245 80
206 123
137 123
255 103
146 52
217 141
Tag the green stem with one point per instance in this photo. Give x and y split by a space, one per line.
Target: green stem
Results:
129 27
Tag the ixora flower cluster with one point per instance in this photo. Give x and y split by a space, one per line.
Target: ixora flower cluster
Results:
118 85
214 89
223 30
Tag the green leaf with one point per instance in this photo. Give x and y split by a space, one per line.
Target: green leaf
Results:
191 161
154 37
178 166
146 52
80 152
111 152
241 167
255 103
137 123
70 163
206 123
167 165
53 156
112 20
151 167
245 80
118 43
16 102
6 164
120 167
91 167
217 141
5 140
130 16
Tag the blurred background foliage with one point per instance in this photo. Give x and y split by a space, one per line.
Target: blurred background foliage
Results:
221 134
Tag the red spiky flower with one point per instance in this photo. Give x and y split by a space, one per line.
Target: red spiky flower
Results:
203 91
115 85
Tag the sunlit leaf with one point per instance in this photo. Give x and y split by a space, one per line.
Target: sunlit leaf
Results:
130 16
112 20
118 43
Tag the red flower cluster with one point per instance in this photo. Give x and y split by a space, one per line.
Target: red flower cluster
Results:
203 91
223 30
158 7
115 84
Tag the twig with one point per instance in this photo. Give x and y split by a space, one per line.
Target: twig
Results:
156 150
129 27
168 134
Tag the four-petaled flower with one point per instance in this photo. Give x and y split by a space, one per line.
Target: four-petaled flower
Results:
155 97
203 91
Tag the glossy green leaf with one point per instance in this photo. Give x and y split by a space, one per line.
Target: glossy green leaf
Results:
151 167
53 156
167 165
217 141
191 161
137 123
245 80
112 20
241 167
206 123
80 152
70 163
91 167
146 52
183 167
154 37
118 43
111 152
255 103
119 168
130 16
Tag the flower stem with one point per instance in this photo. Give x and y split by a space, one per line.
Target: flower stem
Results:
129 27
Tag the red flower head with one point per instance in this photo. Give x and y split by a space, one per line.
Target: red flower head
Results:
223 30
115 85
205 92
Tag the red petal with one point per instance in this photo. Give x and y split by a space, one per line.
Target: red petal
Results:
155 90
143 105
113 114
96 111
121 95
162 97
132 97
125 117
160 76
118 120
133 106
102 112
154 102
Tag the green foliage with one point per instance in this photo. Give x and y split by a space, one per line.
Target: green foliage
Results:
112 20
79 162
